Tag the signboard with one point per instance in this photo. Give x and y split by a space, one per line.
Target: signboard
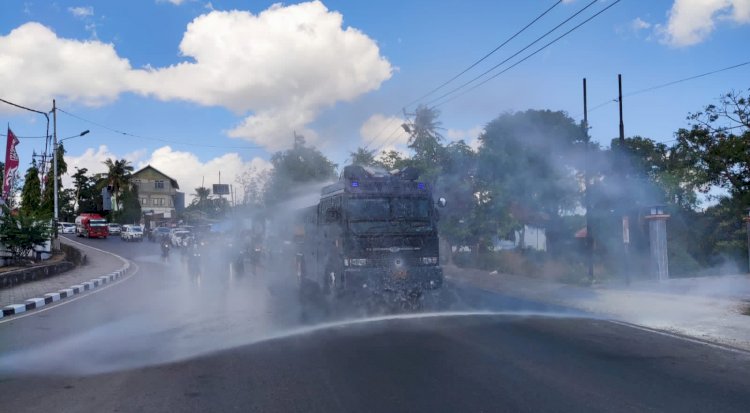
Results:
221 189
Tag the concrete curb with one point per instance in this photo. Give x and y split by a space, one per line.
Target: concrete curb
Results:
34 303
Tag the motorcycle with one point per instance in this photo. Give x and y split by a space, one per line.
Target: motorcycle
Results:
165 247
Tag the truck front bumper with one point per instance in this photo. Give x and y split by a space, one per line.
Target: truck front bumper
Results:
378 280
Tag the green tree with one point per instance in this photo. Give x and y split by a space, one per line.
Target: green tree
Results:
201 198
118 177
363 156
719 143
392 160
527 169
48 201
31 192
86 194
717 153
254 183
20 234
425 140
130 213
295 167
457 184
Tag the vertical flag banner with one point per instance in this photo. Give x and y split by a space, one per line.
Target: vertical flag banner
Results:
11 163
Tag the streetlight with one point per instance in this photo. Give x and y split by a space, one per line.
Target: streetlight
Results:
54 167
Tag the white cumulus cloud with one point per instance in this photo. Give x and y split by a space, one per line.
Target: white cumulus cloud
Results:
692 21
384 133
89 72
81 11
284 65
189 171
175 2
279 69
639 24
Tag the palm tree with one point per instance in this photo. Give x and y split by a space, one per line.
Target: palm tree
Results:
118 176
201 197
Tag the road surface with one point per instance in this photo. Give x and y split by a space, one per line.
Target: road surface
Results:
163 341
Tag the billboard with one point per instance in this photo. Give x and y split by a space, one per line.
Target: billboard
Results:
221 189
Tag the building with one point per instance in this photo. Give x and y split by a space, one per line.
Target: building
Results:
158 193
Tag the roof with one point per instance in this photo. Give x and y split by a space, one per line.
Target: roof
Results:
171 180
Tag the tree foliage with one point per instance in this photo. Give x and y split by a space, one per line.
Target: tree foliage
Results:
294 167
31 193
21 233
48 200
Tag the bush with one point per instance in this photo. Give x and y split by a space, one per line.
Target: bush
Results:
20 234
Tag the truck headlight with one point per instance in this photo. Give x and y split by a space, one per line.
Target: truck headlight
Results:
429 260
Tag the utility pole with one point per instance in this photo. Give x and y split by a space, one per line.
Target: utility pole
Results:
623 171
587 178
54 165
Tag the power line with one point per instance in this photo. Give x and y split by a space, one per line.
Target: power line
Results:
648 89
376 136
667 84
528 56
152 138
479 61
46 116
463 85
473 65
391 136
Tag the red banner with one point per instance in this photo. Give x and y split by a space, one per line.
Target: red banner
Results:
11 163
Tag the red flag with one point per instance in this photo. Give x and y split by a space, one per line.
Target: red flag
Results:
11 163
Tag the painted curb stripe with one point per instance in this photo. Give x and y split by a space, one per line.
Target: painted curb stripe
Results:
52 296
14 309
34 303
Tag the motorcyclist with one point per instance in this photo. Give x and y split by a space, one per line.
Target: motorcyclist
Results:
165 246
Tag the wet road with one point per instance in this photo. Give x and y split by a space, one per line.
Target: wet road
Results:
163 342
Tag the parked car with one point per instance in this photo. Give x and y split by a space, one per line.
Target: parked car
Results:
158 233
66 228
114 228
131 233
179 237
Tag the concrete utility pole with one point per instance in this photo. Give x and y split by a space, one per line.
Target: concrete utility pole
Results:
54 165
623 162
587 178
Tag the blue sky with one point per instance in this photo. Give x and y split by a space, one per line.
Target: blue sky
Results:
118 64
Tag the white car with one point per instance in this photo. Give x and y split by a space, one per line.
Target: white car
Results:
66 228
131 233
114 229
179 237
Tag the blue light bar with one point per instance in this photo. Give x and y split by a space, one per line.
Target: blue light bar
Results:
355 184
420 185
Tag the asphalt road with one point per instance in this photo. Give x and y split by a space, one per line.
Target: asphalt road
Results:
163 341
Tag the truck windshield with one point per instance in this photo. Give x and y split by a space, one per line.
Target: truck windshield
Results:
387 209
389 215
98 223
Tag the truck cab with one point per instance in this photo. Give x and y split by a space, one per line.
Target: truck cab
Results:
91 226
373 232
